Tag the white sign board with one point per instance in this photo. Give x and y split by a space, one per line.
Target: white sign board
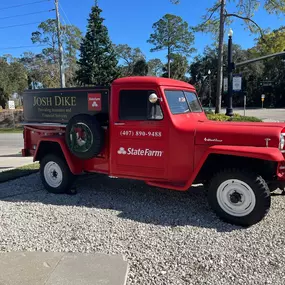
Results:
237 83
262 96
225 84
11 105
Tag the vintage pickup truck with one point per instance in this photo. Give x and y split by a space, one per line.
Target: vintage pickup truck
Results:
155 130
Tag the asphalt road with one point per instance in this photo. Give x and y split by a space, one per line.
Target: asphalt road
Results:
10 148
264 114
11 143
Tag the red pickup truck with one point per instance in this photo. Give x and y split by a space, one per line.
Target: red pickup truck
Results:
155 130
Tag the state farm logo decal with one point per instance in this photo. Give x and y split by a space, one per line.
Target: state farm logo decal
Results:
94 102
140 152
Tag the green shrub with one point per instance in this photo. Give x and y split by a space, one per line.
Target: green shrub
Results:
235 118
245 119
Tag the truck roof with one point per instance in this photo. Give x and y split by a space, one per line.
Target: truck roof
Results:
161 81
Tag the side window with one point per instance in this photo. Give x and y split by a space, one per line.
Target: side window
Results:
134 105
177 102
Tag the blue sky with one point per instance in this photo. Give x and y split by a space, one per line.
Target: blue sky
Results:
128 21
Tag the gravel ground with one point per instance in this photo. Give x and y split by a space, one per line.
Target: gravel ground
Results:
168 237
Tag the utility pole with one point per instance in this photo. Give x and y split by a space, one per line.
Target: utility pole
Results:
60 49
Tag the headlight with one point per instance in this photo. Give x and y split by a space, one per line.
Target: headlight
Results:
282 141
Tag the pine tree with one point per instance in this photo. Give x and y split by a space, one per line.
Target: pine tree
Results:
98 60
140 68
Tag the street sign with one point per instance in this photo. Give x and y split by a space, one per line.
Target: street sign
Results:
237 82
11 105
225 84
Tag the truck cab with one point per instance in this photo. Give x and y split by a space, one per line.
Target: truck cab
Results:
152 129
155 130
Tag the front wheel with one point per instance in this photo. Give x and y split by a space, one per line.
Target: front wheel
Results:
55 174
239 197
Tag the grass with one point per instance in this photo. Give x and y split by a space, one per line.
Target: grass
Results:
19 172
10 131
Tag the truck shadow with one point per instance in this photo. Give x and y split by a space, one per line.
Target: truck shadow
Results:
133 200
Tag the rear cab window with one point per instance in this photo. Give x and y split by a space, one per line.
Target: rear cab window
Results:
134 105
182 101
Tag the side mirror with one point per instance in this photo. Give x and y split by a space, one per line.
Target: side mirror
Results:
153 98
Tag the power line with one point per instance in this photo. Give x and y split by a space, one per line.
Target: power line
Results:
21 5
27 24
64 29
15 16
18 47
60 6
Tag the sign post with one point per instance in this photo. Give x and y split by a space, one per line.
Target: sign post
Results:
11 106
262 100
244 103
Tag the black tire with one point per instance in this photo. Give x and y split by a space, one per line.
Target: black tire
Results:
93 136
250 184
60 168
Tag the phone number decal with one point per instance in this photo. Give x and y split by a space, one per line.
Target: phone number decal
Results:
140 134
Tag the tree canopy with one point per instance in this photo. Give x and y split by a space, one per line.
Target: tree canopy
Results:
95 60
179 66
172 33
218 16
13 79
140 68
155 67
128 57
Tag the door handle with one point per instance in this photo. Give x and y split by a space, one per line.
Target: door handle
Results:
119 124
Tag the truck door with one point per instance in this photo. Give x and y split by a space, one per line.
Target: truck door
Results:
139 135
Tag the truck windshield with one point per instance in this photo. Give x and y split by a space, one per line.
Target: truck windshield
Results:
182 101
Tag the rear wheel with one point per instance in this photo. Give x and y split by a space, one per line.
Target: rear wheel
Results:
55 174
239 197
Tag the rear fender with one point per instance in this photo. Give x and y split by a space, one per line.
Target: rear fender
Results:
75 164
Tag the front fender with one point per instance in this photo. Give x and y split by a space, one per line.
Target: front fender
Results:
262 153
75 164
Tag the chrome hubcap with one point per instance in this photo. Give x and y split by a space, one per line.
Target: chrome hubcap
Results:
53 174
236 198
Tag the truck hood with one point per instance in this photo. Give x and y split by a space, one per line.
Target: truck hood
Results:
238 133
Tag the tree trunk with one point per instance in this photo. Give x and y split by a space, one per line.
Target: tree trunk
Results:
168 62
220 59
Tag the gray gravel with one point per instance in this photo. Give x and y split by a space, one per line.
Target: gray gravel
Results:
167 237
